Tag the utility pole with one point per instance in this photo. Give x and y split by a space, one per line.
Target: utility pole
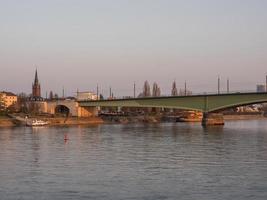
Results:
228 85
185 88
134 89
219 84
97 92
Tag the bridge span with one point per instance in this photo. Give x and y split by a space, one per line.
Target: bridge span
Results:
212 103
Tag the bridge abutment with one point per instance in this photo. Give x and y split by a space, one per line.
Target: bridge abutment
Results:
210 119
87 111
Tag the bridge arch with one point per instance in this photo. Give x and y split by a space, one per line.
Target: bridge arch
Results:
62 109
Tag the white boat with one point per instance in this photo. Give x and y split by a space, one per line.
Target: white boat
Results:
36 122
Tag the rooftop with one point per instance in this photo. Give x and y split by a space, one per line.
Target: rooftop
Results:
8 93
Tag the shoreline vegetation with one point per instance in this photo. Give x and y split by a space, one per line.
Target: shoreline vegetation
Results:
6 121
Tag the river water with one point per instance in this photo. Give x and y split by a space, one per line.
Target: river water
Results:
135 161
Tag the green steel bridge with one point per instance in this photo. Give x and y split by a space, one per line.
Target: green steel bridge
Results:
204 103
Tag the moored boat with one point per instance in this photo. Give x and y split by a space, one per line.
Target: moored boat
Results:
36 122
190 116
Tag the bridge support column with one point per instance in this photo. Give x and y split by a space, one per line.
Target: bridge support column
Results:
87 111
210 119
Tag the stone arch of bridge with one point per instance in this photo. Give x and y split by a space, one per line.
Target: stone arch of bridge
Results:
62 109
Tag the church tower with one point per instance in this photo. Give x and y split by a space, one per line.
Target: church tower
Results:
36 87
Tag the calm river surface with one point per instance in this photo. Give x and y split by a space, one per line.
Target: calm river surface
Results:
135 161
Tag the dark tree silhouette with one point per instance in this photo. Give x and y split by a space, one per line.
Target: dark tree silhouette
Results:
146 90
155 90
174 89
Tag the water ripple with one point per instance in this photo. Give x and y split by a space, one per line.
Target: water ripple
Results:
135 161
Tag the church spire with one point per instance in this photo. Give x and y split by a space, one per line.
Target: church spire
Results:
36 81
36 87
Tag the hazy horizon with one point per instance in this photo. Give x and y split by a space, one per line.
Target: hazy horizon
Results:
78 44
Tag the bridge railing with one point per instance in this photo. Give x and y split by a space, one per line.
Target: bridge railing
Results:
191 94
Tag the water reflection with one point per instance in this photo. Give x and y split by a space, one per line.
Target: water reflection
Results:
135 161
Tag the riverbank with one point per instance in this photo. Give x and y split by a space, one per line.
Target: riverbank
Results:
162 118
242 117
132 119
61 121
6 122
72 121
53 121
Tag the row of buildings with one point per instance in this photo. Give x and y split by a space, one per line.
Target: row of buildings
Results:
36 92
9 99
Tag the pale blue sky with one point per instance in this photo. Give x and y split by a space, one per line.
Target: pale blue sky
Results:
79 43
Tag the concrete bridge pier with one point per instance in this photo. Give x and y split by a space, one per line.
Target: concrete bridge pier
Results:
210 119
91 111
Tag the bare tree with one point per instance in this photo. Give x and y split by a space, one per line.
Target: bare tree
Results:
155 90
174 89
56 96
51 96
34 108
146 90
22 102
182 92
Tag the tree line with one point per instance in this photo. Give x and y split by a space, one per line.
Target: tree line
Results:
156 92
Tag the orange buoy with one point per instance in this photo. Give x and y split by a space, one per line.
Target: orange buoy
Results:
66 137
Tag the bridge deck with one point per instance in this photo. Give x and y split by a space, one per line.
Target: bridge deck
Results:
204 103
